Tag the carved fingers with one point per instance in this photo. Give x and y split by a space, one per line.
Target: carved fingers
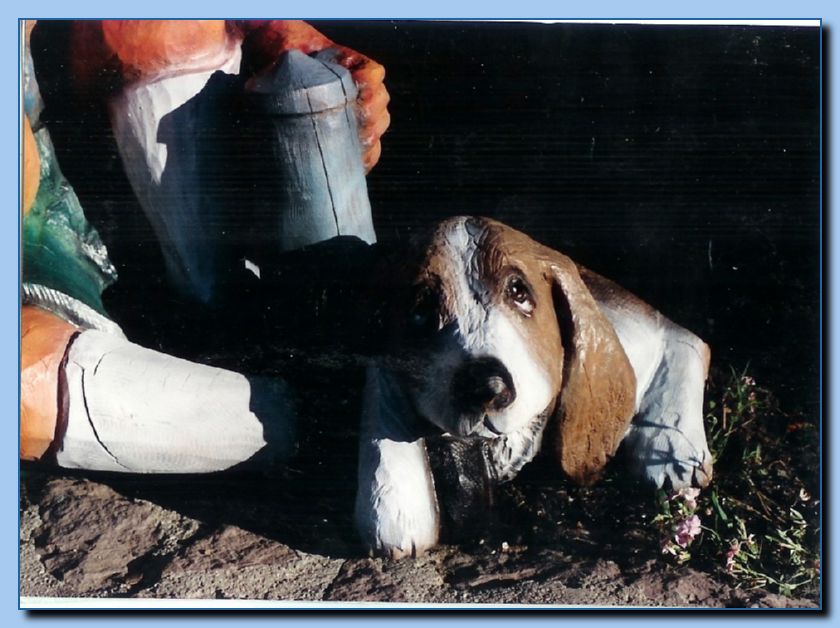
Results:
373 100
267 39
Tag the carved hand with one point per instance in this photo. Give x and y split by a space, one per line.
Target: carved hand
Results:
265 40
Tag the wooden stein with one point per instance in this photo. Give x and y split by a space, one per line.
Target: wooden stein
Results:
312 183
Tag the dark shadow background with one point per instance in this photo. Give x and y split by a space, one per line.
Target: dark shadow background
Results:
681 161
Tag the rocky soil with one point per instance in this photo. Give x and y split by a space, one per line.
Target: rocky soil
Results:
204 539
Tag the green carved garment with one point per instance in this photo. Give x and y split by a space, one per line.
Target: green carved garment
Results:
61 250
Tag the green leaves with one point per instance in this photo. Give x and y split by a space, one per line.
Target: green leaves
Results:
759 521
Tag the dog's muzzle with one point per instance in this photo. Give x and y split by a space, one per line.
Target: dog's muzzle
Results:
479 386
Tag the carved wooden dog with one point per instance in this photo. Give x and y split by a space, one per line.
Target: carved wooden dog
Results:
502 337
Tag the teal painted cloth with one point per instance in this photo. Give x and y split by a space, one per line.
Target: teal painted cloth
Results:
61 250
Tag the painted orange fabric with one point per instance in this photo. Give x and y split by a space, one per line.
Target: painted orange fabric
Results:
44 339
31 167
268 38
136 48
150 46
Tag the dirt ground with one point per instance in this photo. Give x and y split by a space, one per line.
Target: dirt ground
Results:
125 538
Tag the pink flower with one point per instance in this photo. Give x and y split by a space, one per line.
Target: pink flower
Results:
689 496
747 380
687 530
734 548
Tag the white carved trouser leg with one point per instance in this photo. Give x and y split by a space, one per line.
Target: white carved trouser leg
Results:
396 507
136 410
157 123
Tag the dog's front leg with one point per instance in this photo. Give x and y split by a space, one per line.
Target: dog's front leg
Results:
667 437
396 507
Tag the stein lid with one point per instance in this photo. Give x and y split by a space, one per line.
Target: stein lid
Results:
297 84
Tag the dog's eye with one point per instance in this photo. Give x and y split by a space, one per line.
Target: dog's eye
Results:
519 292
425 315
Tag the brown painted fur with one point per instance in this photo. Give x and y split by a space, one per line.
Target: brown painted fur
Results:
568 335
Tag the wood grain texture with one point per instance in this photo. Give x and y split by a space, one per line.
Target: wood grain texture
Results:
315 172
132 409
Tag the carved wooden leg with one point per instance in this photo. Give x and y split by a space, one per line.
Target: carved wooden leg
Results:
130 409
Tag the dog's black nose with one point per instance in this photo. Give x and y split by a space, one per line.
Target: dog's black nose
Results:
482 384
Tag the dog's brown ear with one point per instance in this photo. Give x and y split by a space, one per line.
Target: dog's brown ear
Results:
597 399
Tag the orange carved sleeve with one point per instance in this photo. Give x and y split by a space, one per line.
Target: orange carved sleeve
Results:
133 48
147 47
44 340
31 167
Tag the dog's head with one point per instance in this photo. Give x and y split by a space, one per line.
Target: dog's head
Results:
500 331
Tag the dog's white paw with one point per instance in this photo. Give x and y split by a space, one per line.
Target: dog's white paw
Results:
667 456
396 509
396 506
398 530
677 474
